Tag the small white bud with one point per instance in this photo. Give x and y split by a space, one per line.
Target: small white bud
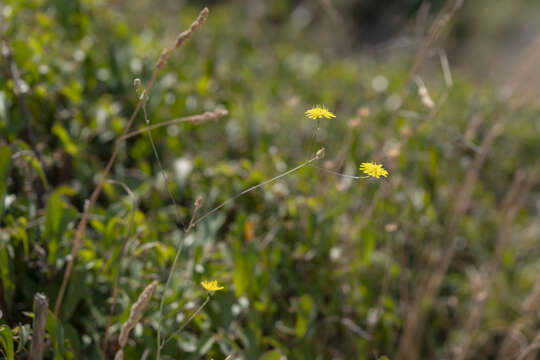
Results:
320 154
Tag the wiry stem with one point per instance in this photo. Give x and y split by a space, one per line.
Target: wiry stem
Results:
156 155
316 157
340 174
192 316
162 302
198 204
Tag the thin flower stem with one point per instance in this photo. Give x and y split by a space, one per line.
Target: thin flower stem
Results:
179 247
162 302
158 159
192 316
340 174
254 188
181 242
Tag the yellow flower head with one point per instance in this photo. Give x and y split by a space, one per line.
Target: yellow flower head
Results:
211 285
373 169
318 112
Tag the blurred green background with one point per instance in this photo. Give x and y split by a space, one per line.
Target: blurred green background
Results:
438 261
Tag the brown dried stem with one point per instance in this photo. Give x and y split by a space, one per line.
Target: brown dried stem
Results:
41 306
195 119
182 38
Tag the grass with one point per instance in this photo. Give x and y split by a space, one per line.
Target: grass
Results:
435 261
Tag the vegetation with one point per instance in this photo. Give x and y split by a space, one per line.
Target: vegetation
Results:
436 257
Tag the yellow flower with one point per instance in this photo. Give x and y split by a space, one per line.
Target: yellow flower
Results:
373 169
211 285
319 112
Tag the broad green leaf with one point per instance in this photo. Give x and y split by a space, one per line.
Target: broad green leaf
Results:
242 269
53 220
6 337
76 292
57 219
56 332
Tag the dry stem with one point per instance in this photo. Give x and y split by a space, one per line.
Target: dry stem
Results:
41 305
195 119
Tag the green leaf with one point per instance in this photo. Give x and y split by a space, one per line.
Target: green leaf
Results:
368 244
6 275
303 315
76 292
6 338
21 234
34 162
73 91
53 220
204 345
5 162
24 332
271 355
242 269
68 144
57 218
56 332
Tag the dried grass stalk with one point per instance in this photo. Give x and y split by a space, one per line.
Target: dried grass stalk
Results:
95 194
187 34
184 36
134 315
194 119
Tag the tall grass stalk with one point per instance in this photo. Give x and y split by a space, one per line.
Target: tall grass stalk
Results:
89 205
